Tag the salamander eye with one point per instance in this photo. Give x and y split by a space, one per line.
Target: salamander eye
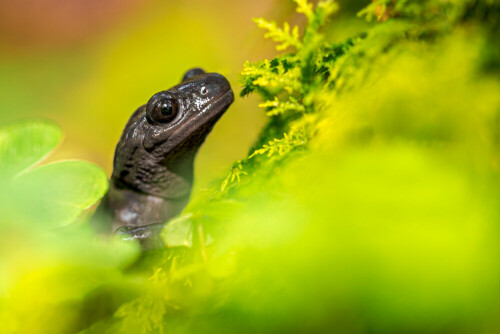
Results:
204 90
161 111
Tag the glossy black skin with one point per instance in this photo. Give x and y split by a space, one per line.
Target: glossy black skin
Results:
153 164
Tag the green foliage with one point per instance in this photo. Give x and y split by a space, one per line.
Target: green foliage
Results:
236 173
428 10
48 259
358 196
24 145
293 85
67 187
367 205
276 107
291 141
284 36
368 192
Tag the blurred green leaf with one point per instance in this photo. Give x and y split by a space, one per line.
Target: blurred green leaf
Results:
178 232
44 267
25 144
56 193
65 188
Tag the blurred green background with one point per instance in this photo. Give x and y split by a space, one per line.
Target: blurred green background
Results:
88 64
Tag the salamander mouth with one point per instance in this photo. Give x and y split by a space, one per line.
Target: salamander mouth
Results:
224 101
194 133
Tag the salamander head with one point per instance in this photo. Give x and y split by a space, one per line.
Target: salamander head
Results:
156 151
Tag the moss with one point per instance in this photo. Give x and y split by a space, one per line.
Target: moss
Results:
368 203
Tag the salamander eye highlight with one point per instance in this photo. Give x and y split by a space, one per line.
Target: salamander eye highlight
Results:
161 111
204 90
166 109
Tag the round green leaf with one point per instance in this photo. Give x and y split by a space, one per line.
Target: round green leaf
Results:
25 144
63 190
178 232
